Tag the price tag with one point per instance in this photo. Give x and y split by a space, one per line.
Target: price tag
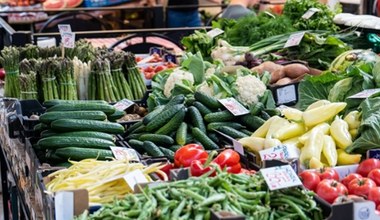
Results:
170 58
238 147
310 13
215 32
364 94
68 40
154 50
280 177
64 28
281 152
286 94
373 153
135 177
123 105
234 106
121 153
64 205
294 40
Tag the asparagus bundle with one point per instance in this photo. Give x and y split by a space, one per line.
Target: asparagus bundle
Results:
28 79
117 61
47 70
134 77
9 59
101 85
66 80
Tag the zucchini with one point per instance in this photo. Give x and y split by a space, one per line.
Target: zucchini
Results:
175 147
87 125
85 142
232 132
252 121
49 117
216 125
91 134
163 118
134 127
181 134
256 109
273 112
196 118
76 153
152 150
202 108
51 103
116 115
136 145
206 142
48 133
207 100
168 153
221 116
149 117
173 123
157 139
107 109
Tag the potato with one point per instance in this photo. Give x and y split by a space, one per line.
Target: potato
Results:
295 70
266 66
284 81
277 75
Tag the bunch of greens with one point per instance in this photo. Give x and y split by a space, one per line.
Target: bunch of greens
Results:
199 41
28 79
9 59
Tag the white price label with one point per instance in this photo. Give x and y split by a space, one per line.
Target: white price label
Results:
238 147
64 28
215 32
68 40
286 94
122 153
234 106
281 152
280 177
135 177
123 104
294 40
364 94
310 13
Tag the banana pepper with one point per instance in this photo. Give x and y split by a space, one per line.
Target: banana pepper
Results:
317 104
292 114
348 159
292 130
263 129
340 133
313 146
329 150
353 119
253 144
293 141
276 125
323 126
323 113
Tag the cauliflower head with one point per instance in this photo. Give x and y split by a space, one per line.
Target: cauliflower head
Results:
206 89
249 88
177 77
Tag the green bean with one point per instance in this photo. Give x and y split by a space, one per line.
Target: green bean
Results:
185 216
161 197
199 216
213 199
272 215
193 195
251 195
289 216
208 215
132 213
144 213
177 211
296 208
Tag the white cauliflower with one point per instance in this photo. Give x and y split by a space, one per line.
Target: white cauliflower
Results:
177 77
228 54
249 89
206 88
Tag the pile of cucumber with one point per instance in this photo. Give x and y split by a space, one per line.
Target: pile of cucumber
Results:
77 130
182 121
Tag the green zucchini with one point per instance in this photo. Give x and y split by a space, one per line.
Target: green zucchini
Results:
202 108
253 122
181 134
206 142
91 134
137 145
157 139
107 109
115 116
77 153
196 118
175 147
207 100
163 117
256 109
49 117
216 125
87 125
51 103
168 153
152 149
221 116
173 123
85 142
149 117
232 132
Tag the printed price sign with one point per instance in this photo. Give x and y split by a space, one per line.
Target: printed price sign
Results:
286 94
294 40
124 104
135 177
215 32
170 58
64 28
234 106
373 153
154 50
121 153
280 177
68 40
310 13
281 152
364 94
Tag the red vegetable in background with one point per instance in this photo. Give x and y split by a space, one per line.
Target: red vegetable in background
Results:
328 173
2 74
346 180
230 159
188 153
329 190
310 179
367 166
361 186
375 176
374 195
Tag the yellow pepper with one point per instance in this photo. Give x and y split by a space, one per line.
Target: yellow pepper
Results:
317 104
253 144
353 119
276 125
340 133
271 142
354 133
314 163
323 113
292 114
329 150
348 159
263 129
290 131
323 126
313 146
293 141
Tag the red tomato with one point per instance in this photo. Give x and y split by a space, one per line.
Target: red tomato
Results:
138 59
367 166
375 176
248 172
378 209
159 68
329 190
346 180
361 186
328 173
310 179
374 195
149 69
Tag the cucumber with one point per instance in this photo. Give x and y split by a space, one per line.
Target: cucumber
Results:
53 157
247 132
63 164
216 125
140 129
232 132
157 139
85 142
87 125
273 112
176 100
213 136
152 150
190 101
221 116
41 127
134 136
181 134
196 118
207 100
173 123
163 118
256 109
189 138
51 103
175 147
168 153
134 127
107 109
206 142
49 117
264 115
115 116
137 145
252 122
149 117
202 108
77 153
91 134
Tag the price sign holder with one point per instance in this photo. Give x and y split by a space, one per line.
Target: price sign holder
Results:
285 95
64 28
170 58
373 153
234 106
156 50
215 32
282 152
280 177
294 163
364 94
238 147
124 104
135 177
294 39
68 40
122 153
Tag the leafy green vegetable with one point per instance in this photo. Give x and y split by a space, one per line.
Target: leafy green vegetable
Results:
376 74
194 64
199 41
